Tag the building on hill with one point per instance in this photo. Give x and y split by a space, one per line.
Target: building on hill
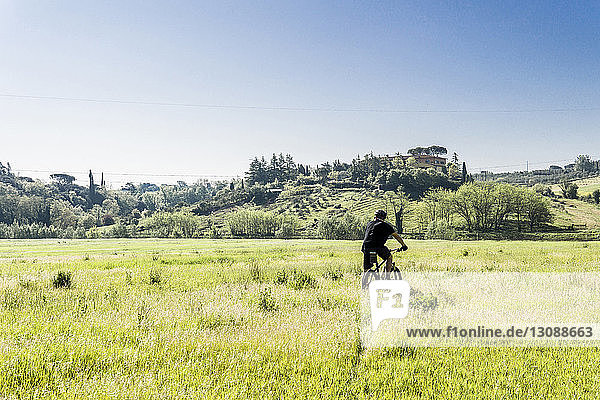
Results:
423 160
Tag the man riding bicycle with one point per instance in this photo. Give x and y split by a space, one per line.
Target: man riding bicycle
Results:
376 235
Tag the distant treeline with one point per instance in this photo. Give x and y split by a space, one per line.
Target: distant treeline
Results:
583 167
372 172
443 201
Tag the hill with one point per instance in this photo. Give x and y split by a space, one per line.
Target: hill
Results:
575 214
586 186
314 202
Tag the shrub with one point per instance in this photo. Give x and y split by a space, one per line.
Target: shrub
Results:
28 231
173 225
266 301
255 270
247 223
155 277
542 189
333 274
348 227
281 277
297 280
425 302
120 231
107 220
63 279
440 230
289 225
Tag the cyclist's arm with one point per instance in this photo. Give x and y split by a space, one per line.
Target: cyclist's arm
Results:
398 238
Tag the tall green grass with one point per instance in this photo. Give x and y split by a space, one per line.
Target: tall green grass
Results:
252 319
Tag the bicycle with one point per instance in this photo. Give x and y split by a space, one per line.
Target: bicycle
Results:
374 273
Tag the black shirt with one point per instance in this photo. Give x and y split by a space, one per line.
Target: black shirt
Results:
377 233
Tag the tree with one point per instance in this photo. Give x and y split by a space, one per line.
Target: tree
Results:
463 178
290 168
4 170
596 196
92 187
348 227
568 189
62 179
398 204
537 210
454 173
518 205
542 189
436 206
340 166
274 169
249 223
429 151
257 173
462 201
584 163
323 171
61 215
437 150
416 151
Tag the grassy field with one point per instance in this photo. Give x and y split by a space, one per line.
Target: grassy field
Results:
252 319
569 211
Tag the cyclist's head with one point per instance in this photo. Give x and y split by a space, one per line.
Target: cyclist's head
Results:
380 214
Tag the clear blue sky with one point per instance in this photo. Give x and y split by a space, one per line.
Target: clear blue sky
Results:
403 56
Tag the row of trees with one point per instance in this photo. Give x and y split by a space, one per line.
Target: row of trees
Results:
257 224
348 226
179 224
430 151
280 168
415 182
484 207
583 166
371 171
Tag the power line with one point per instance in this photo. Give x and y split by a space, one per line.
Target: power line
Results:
309 109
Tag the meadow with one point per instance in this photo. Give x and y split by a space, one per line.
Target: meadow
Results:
154 318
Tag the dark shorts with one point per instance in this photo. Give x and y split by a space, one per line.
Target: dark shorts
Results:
382 252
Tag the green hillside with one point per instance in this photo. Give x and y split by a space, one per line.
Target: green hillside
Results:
586 186
312 202
576 214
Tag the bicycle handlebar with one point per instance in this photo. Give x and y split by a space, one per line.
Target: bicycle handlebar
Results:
398 249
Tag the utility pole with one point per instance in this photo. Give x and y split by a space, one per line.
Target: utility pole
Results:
528 166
